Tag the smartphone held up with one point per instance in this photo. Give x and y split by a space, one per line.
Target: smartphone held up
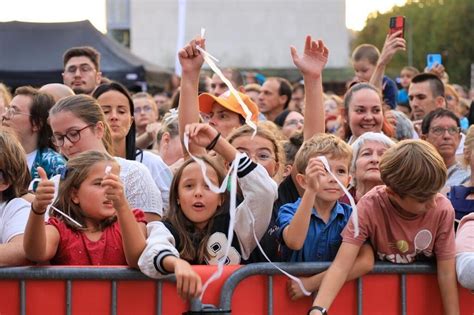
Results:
397 23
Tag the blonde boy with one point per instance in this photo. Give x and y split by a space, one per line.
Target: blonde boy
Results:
311 227
419 222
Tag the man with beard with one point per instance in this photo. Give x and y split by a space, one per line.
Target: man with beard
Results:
81 69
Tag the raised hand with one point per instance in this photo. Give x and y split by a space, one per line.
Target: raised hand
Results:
314 58
313 173
190 57
114 189
44 194
201 134
393 43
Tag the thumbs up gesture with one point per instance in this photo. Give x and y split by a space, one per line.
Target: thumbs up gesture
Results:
44 193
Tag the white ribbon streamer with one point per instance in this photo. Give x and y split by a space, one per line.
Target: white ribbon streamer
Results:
210 61
232 173
354 216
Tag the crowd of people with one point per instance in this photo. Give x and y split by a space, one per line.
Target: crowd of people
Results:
93 175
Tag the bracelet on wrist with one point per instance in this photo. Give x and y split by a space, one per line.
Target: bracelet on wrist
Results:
36 212
321 309
213 143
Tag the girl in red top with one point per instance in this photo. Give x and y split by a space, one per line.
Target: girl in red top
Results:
101 228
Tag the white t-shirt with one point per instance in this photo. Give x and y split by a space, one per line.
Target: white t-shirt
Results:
13 218
140 189
30 158
160 172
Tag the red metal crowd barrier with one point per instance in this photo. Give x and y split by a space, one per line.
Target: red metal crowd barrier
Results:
118 290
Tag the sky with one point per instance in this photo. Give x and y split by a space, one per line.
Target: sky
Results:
94 10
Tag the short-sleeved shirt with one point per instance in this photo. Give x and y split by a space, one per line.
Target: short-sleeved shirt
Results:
465 235
51 161
75 248
323 239
401 239
13 217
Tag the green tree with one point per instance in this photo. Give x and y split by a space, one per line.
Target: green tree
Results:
432 26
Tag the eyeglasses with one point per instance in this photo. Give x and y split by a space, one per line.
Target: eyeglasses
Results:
439 131
84 68
294 122
12 111
145 109
260 156
72 135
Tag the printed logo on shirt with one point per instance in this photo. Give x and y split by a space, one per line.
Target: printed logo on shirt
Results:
401 253
216 246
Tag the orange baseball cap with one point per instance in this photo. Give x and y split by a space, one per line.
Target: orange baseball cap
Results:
229 101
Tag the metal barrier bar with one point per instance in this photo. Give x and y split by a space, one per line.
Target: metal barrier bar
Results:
159 288
359 296
300 269
22 297
270 295
68 297
73 273
403 293
113 298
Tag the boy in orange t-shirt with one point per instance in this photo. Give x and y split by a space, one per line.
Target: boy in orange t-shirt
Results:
405 221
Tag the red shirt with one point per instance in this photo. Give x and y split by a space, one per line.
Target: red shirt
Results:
75 248
399 239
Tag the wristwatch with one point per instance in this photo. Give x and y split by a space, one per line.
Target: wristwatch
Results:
321 309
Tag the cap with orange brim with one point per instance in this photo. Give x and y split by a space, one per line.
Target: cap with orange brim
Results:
228 101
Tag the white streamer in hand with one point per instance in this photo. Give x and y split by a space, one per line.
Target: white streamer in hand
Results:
232 207
210 61
354 216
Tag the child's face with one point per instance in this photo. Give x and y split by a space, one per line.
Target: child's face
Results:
91 194
405 78
197 201
365 112
329 190
260 150
363 69
409 206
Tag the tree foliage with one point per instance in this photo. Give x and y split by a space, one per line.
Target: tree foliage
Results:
432 26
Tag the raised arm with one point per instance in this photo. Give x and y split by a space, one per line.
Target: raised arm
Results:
191 61
294 234
133 232
40 242
393 43
311 65
205 136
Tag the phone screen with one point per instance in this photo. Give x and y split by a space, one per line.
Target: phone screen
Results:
397 23
432 59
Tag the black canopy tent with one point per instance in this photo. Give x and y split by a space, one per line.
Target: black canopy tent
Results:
31 54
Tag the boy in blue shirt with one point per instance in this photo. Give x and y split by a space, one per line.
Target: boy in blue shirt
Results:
311 226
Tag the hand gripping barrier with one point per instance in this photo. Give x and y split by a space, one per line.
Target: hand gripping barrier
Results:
251 289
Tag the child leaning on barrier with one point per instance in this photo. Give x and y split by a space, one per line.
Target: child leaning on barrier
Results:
14 204
310 227
406 220
194 231
465 252
99 229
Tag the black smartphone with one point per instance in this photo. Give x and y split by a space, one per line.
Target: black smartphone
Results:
397 23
